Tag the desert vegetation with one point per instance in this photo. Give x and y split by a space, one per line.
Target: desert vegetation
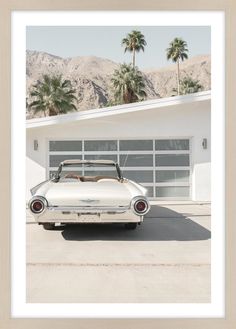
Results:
177 52
128 84
134 42
52 95
188 86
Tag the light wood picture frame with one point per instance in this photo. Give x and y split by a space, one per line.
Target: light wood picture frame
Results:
6 8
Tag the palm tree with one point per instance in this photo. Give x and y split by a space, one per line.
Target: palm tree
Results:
177 51
52 95
128 84
133 42
189 86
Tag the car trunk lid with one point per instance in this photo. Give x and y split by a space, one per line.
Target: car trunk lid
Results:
103 193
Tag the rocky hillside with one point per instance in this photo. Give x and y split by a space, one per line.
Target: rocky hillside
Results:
91 76
164 79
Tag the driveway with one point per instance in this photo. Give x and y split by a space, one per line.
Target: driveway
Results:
165 260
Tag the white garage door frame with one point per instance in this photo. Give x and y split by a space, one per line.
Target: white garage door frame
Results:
119 153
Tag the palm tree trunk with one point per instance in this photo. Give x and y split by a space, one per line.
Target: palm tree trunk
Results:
52 112
133 57
178 77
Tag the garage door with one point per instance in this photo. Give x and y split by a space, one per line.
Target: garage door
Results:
161 165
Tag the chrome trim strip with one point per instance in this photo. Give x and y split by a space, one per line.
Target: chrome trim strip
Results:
89 200
88 209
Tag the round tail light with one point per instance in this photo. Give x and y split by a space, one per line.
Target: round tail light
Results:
141 206
37 205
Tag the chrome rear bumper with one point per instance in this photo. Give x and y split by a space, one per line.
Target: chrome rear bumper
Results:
66 214
88 209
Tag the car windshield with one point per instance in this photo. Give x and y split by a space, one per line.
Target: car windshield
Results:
88 170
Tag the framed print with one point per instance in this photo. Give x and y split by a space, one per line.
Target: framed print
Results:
68 109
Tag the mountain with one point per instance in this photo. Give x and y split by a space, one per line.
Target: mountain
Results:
91 76
164 79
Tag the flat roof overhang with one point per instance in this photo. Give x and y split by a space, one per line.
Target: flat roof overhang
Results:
119 109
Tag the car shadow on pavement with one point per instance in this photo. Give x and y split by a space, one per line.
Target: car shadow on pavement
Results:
161 224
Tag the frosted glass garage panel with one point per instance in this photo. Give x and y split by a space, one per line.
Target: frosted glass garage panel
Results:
172 144
56 159
136 160
136 145
172 191
172 160
97 172
100 145
112 157
172 176
139 176
65 146
149 191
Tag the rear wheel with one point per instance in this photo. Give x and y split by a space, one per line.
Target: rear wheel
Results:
131 226
48 226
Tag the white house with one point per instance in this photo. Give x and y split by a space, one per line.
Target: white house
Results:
165 144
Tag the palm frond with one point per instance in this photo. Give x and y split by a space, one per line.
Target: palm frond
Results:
53 95
128 84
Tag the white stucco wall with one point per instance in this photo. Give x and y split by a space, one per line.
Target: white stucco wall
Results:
191 120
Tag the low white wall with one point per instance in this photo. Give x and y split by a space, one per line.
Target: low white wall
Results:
184 120
202 182
35 173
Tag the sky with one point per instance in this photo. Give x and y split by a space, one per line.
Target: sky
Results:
105 42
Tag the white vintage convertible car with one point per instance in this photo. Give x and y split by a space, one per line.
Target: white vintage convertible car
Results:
72 198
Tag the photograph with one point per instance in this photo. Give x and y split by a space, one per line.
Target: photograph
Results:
118 163
117 136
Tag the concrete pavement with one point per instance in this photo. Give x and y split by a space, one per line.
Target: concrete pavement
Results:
167 259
